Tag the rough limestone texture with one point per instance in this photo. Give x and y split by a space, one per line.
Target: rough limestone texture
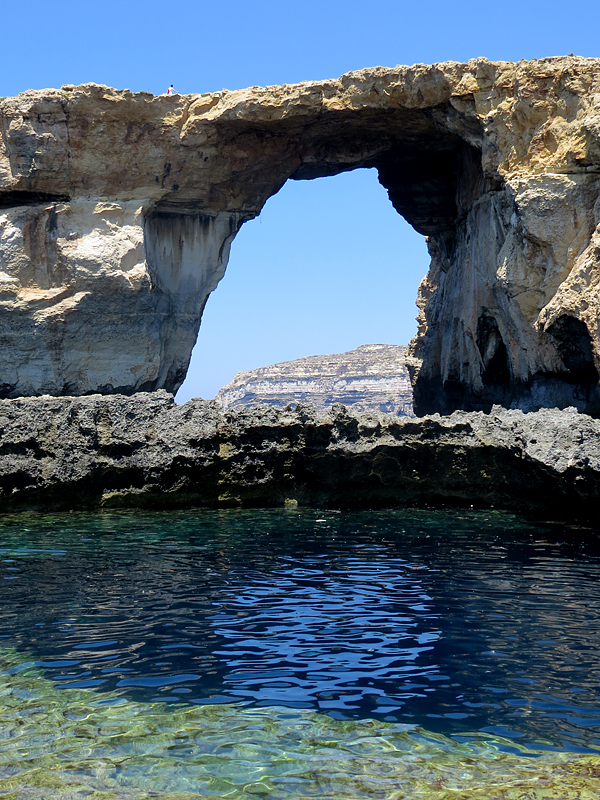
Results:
373 377
67 453
117 212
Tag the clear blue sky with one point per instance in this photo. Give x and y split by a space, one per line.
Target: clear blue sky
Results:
329 265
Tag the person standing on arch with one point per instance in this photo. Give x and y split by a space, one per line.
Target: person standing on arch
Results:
171 90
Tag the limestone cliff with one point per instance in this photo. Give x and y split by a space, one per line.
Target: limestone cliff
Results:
69 453
372 377
117 211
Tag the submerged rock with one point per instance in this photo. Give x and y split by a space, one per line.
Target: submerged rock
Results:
146 451
118 211
373 377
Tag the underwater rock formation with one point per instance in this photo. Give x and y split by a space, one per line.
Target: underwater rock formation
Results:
117 211
67 453
373 377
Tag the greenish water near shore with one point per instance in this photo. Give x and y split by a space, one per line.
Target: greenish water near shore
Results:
60 745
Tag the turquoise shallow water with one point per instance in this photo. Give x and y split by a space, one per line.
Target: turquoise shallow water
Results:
297 653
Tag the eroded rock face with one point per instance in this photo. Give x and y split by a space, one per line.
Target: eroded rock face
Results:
373 377
117 211
87 452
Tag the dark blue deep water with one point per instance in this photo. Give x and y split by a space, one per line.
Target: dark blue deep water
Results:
454 621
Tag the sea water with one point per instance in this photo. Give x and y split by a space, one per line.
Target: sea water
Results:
298 653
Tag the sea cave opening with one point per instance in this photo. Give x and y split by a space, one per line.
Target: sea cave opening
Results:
329 265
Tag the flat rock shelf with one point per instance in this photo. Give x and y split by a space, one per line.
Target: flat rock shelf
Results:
146 451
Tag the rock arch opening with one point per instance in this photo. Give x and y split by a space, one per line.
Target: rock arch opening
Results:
433 175
329 266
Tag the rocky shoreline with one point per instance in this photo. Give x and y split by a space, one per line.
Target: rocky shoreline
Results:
146 451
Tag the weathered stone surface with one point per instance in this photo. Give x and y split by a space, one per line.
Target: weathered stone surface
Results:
373 377
147 451
119 209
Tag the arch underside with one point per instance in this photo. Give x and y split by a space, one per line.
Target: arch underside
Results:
478 344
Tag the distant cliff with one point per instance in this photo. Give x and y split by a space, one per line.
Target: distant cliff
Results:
373 377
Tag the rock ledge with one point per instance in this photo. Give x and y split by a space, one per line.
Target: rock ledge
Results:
98 451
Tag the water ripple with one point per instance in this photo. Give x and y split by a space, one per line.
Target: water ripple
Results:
455 621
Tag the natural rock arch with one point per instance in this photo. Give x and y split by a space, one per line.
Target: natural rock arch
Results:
120 208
